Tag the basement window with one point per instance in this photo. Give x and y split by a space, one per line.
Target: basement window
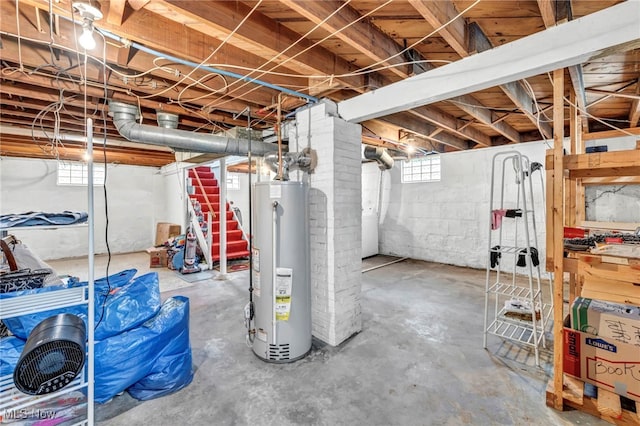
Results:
233 181
76 173
421 169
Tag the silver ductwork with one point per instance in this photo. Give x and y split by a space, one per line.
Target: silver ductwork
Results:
125 116
305 161
380 155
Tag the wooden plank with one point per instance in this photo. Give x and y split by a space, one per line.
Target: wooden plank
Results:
573 389
549 210
611 180
349 27
570 265
591 266
479 42
590 406
558 231
116 11
634 110
616 226
607 134
440 12
609 403
602 164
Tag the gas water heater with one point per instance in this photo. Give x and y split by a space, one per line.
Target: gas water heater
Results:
281 271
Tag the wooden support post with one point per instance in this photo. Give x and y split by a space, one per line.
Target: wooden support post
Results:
549 167
558 231
571 185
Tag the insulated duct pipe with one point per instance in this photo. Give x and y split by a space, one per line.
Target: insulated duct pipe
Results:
380 155
125 116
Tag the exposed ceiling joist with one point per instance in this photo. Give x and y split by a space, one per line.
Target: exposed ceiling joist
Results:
558 47
634 111
558 11
467 40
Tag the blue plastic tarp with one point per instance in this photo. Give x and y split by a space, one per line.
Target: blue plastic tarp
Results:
129 357
129 303
41 218
10 348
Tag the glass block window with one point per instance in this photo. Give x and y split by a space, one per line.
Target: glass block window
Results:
233 181
421 169
76 173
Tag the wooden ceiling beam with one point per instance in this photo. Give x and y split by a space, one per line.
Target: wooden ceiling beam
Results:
116 11
466 40
15 146
634 111
259 35
558 11
451 124
160 33
348 26
370 41
438 13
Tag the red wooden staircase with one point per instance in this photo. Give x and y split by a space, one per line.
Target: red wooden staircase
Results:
207 192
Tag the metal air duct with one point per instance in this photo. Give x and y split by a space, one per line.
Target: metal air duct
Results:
380 155
125 116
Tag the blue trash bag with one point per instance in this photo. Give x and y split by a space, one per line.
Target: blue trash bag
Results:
172 371
128 306
10 348
124 359
130 302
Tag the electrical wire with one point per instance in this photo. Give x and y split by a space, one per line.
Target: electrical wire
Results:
585 112
104 186
213 52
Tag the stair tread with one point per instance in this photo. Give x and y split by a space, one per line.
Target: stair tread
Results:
234 255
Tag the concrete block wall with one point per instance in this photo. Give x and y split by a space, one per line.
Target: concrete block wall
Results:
335 221
448 221
135 198
613 203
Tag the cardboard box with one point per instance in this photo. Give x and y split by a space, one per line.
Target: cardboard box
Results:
157 257
602 362
611 320
165 230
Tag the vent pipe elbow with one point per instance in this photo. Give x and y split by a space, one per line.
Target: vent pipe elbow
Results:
380 155
125 116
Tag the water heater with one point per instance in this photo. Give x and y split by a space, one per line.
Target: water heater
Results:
281 271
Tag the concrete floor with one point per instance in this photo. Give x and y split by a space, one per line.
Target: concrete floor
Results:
417 361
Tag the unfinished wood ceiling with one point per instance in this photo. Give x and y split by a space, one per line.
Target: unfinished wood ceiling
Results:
208 61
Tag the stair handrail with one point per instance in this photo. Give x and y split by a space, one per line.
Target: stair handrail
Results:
202 241
206 197
245 236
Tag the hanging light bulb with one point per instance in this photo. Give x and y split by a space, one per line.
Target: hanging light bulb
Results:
89 14
86 39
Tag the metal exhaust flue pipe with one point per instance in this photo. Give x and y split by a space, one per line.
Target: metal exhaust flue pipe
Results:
125 116
380 155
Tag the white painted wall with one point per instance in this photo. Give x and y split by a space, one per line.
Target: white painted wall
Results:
138 197
448 221
370 206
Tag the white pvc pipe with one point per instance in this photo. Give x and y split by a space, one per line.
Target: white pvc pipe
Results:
90 308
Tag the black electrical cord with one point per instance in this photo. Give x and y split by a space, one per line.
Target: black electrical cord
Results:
104 186
251 311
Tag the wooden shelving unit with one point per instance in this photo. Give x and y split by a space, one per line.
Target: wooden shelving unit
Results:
567 176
